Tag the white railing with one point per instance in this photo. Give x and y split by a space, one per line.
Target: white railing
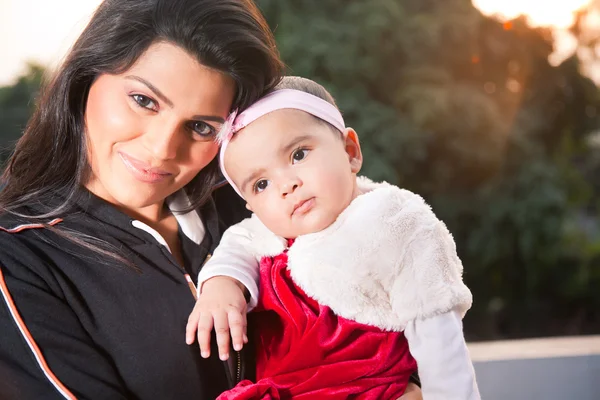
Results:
546 369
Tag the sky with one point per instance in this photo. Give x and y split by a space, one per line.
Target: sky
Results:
43 30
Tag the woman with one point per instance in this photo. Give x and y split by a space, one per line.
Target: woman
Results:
107 204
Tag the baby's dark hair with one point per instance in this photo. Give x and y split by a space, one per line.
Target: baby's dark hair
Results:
310 87
307 86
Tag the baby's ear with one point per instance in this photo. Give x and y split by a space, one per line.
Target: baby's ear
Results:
352 146
248 207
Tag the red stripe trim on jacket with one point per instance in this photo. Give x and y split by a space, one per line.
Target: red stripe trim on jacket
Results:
23 227
30 342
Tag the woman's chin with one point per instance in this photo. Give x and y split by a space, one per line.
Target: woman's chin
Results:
136 197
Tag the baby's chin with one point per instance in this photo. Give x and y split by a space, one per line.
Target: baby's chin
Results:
306 229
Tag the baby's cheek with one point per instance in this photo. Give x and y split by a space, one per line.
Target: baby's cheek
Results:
269 216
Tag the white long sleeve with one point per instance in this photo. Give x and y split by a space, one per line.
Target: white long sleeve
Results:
443 360
234 258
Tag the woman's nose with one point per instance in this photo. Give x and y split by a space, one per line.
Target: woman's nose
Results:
162 140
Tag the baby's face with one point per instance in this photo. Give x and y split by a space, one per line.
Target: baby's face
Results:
296 173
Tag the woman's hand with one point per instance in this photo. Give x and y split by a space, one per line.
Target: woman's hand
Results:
413 392
221 305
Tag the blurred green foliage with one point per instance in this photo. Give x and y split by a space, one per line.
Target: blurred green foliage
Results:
16 104
467 112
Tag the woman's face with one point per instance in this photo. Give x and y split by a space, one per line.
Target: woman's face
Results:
151 129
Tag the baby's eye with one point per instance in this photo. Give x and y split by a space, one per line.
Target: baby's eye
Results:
299 155
261 185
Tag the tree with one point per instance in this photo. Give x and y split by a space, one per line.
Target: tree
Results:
16 104
466 111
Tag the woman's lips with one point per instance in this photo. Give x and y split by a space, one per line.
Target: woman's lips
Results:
304 206
143 171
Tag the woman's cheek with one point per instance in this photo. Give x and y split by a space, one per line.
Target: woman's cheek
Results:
192 159
200 155
109 116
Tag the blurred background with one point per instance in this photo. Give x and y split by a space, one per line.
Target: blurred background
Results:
490 109
493 119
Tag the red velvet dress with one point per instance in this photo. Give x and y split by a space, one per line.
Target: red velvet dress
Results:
305 351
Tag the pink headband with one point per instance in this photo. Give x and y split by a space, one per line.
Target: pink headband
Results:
277 100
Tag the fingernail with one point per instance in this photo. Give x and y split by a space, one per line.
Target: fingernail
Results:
224 357
237 346
205 354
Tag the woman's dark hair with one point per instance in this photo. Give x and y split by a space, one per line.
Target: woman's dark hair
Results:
230 36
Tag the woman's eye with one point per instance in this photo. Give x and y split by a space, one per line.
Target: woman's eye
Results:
299 155
261 185
203 129
144 101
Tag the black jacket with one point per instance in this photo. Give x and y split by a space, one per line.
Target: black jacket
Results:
71 324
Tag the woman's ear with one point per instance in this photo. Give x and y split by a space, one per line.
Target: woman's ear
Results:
352 147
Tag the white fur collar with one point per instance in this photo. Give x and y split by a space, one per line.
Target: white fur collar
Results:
385 261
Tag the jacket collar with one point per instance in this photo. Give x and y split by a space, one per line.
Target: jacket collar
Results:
191 224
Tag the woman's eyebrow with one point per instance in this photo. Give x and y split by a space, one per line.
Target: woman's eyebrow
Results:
214 118
168 102
153 88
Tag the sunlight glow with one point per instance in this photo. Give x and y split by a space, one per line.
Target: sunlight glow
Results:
42 30
551 13
556 14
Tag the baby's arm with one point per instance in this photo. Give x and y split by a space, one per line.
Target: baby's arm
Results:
234 258
445 369
222 283
430 296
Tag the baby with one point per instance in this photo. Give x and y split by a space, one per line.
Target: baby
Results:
359 281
